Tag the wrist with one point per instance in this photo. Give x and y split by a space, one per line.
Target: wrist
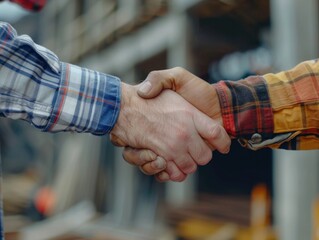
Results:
125 98
125 102
128 109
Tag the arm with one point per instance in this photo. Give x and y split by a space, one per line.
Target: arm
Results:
52 95
275 110
55 96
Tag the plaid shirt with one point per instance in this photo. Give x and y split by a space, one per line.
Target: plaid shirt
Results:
52 95
275 110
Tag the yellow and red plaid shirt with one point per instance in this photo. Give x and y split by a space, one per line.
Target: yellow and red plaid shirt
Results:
275 110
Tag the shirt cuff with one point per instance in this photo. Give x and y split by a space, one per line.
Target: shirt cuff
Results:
246 107
86 101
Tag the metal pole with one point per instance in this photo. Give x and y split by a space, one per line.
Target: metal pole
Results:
295 38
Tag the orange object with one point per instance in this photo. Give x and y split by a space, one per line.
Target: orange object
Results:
260 212
316 219
44 200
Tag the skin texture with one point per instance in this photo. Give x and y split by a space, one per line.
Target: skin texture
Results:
169 127
193 89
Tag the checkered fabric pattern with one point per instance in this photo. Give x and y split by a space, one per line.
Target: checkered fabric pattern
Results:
283 108
52 95
246 107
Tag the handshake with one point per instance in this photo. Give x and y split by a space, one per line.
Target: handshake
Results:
169 124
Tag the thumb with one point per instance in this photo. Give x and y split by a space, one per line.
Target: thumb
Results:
210 130
155 83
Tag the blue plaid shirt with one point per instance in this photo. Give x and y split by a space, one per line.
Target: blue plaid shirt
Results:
52 95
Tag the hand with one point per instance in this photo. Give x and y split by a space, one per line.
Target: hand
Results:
170 127
193 89
196 91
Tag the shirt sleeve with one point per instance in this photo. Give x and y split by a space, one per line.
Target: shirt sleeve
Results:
52 95
275 110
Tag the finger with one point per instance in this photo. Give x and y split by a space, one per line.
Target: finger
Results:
138 157
153 167
186 84
186 164
175 174
213 132
162 176
211 147
199 151
117 141
154 84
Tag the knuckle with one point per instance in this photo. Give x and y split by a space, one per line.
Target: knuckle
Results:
153 74
178 70
144 169
162 176
205 158
132 156
174 148
147 155
214 132
127 156
191 169
182 135
158 164
187 166
178 178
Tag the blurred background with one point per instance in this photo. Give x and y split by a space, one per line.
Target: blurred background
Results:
77 186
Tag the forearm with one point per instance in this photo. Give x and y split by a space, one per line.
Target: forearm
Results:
274 110
53 96
294 96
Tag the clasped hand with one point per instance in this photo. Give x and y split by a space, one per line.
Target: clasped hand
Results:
170 132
